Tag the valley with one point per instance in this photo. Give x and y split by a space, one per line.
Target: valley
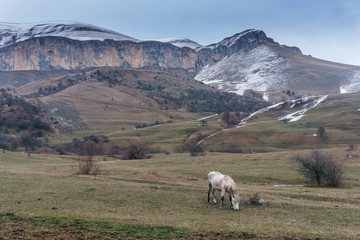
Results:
154 117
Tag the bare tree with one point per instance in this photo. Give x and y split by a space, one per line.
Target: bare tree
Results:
321 169
85 166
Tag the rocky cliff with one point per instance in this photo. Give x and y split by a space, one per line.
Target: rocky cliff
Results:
49 53
53 52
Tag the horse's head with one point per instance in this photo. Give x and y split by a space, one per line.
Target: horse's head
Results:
235 200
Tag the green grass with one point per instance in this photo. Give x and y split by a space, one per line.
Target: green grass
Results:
338 114
41 198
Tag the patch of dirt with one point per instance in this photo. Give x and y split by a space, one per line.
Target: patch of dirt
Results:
64 115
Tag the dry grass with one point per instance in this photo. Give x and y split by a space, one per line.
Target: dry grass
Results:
156 193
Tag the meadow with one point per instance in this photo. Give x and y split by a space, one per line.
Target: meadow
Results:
165 197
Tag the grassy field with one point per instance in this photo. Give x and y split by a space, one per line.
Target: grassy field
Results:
165 197
154 199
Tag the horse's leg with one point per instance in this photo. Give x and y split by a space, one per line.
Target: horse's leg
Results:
222 198
209 191
230 199
213 192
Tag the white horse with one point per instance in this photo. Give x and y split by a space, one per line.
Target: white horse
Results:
223 183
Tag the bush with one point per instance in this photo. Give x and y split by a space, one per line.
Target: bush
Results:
321 131
191 144
85 166
113 150
90 148
321 169
135 149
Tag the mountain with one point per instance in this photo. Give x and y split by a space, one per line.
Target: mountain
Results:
11 33
245 61
270 67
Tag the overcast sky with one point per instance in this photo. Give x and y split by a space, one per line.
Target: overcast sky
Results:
327 29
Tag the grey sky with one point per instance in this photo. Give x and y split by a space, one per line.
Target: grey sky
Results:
327 29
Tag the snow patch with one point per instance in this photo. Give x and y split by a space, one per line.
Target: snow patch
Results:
244 120
352 84
178 42
207 117
266 97
293 117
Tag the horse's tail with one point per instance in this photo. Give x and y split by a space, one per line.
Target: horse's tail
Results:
209 178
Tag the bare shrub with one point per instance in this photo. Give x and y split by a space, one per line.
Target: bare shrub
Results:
90 148
321 169
113 150
85 166
191 144
135 149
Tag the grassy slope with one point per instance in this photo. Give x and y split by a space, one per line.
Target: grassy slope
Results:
105 107
338 114
265 133
40 198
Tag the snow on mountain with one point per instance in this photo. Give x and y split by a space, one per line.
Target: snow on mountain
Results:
247 35
352 84
246 60
15 32
178 42
257 69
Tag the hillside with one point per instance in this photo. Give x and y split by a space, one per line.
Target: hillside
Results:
114 98
294 125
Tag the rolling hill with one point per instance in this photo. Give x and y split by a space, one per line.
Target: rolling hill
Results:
114 98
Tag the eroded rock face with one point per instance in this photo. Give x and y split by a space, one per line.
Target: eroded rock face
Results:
49 53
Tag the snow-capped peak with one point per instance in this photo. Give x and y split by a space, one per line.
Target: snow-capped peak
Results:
249 36
15 32
178 42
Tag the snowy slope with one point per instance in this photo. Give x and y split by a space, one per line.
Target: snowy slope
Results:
259 69
15 32
250 35
352 84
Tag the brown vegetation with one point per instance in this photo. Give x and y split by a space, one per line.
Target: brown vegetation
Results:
321 169
135 149
85 166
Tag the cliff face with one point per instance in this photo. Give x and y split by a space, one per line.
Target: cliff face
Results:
53 53
49 53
